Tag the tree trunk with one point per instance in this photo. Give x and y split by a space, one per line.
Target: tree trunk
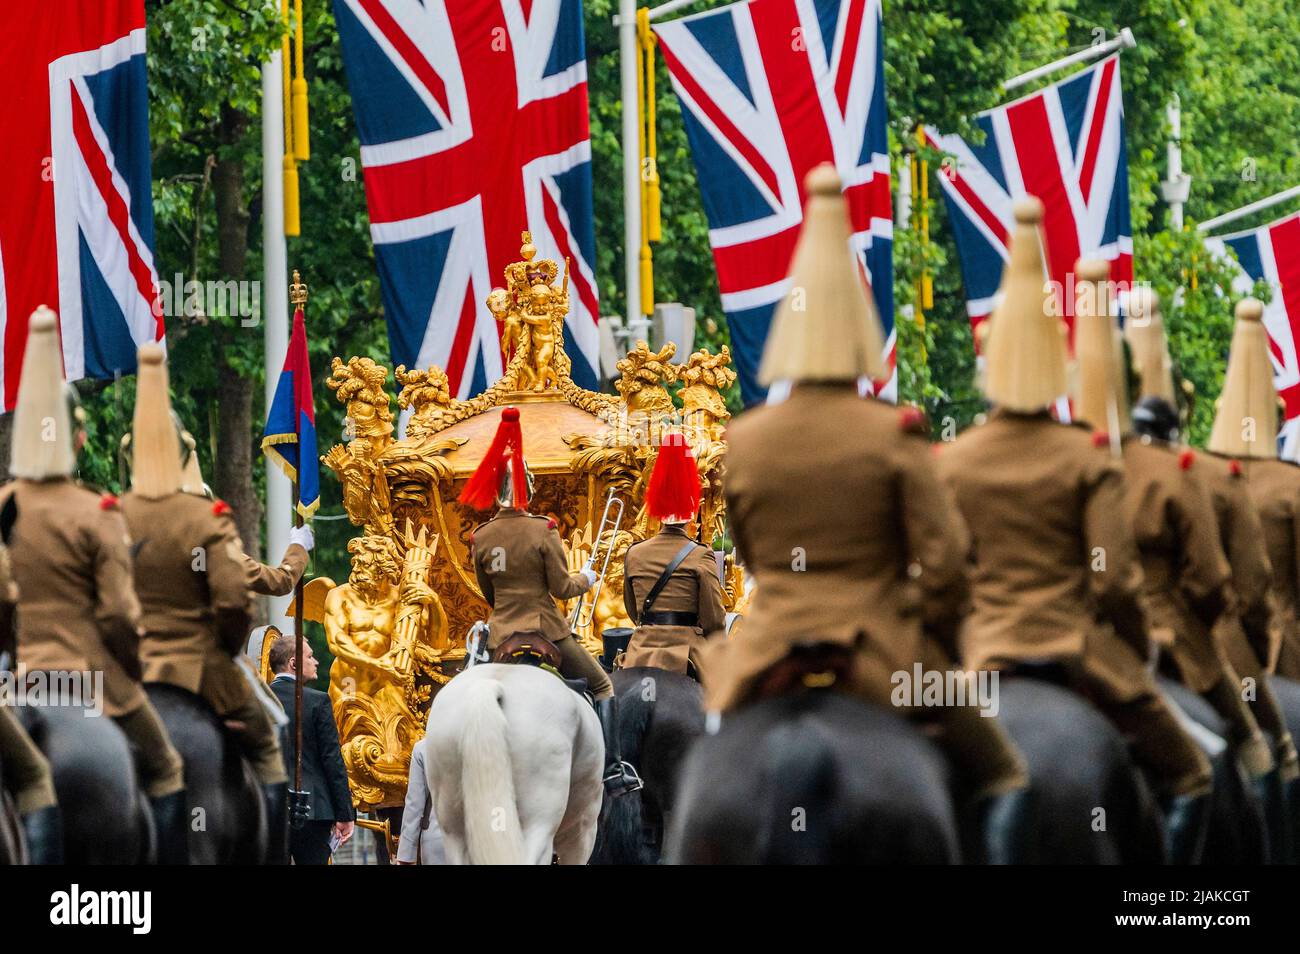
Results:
233 480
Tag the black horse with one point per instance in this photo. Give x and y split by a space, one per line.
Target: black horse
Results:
227 815
1287 693
813 778
11 831
106 817
661 713
1243 830
1094 806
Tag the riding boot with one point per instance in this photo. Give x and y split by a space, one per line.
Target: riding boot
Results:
1272 801
276 798
1007 827
1186 821
620 778
170 829
43 833
1289 774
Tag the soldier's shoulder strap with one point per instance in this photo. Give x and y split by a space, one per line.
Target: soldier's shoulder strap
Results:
678 559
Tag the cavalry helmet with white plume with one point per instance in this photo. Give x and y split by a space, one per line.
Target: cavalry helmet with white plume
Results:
1025 357
155 439
826 328
1246 422
43 437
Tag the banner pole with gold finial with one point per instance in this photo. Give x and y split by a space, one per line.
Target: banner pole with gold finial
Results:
298 299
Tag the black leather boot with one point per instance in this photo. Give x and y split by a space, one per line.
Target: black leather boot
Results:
1008 825
43 833
1186 820
620 778
276 798
171 832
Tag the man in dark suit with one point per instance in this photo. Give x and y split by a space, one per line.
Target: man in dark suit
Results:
323 774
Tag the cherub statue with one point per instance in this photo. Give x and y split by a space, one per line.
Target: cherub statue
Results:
360 385
427 393
514 333
543 330
704 377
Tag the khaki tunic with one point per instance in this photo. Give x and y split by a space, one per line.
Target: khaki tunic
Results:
276 580
77 608
1245 624
1185 572
1275 488
694 587
521 568
193 588
1044 505
1057 577
837 514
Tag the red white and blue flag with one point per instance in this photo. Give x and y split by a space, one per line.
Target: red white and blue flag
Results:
1063 144
473 123
769 89
289 438
76 223
1271 254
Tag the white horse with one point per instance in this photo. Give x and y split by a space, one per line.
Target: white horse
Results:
514 760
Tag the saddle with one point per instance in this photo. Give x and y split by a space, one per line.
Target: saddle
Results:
806 668
531 648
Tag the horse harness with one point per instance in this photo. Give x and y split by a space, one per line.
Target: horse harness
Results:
531 648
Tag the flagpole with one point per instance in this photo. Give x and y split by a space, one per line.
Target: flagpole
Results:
297 662
1124 40
628 52
275 314
1245 210
299 798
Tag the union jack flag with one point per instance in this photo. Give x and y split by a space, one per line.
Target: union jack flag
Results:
76 225
1271 254
769 89
1063 144
473 123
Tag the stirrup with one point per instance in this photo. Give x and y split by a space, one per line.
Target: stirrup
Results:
621 779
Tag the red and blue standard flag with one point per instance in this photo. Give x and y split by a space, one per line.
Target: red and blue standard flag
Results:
290 435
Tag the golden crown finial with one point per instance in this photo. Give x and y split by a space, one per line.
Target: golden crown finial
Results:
527 250
297 291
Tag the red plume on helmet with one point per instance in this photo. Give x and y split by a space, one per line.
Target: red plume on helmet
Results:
674 489
507 447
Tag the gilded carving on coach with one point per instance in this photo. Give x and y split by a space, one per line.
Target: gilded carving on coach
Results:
398 626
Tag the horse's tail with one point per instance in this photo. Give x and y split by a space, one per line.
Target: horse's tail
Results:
491 814
798 787
620 836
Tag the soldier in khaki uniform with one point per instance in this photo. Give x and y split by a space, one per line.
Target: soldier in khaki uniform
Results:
1243 631
1185 572
77 608
687 609
264 580
193 588
855 549
521 568
26 770
1245 427
1056 570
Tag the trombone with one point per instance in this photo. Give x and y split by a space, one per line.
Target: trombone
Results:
579 618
